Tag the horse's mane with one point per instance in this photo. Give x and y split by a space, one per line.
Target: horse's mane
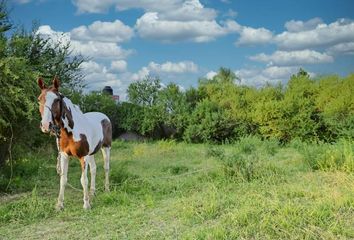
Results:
71 105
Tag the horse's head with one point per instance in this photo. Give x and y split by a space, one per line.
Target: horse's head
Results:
50 104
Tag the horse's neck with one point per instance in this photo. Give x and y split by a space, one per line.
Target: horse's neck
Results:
79 120
75 110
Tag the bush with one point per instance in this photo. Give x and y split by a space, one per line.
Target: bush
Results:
28 170
215 151
330 157
209 123
240 166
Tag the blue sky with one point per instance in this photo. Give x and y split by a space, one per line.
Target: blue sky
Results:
183 40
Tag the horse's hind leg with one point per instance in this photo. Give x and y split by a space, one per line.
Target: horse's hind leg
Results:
106 151
92 164
84 180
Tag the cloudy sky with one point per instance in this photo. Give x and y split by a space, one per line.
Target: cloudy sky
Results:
183 40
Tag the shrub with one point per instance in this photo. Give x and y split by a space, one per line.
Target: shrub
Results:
119 173
209 123
330 157
240 167
215 151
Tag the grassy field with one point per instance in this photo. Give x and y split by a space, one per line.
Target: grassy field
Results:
168 190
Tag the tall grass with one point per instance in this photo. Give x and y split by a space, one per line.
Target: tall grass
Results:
250 189
337 156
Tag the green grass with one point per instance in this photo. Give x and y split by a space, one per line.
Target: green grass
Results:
168 190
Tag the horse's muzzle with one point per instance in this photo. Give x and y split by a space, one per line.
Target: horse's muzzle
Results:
45 127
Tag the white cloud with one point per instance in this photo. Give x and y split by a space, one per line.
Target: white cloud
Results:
141 74
115 32
150 26
211 74
299 26
47 32
97 76
342 48
293 57
162 6
94 49
259 77
334 33
170 67
231 13
304 35
119 66
251 36
166 20
93 6
100 50
191 10
148 5
91 67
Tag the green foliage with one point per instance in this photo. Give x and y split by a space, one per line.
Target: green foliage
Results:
144 92
23 57
174 109
249 160
335 102
219 110
130 116
5 24
28 209
329 157
208 123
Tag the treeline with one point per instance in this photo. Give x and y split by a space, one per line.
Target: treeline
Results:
221 110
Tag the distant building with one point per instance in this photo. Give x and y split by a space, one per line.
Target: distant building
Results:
116 97
108 90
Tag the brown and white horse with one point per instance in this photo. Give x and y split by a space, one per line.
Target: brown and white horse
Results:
78 134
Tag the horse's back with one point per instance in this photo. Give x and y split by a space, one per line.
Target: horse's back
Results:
100 121
96 117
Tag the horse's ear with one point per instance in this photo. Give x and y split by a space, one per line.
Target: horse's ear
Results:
41 83
56 82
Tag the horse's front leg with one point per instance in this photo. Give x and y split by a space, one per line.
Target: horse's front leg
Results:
64 159
84 180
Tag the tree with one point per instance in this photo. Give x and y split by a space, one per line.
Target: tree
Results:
209 123
5 24
144 92
172 103
24 57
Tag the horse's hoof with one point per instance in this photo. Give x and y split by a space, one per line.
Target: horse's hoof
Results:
59 207
87 206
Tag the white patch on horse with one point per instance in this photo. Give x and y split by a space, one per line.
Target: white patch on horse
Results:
47 114
66 124
88 124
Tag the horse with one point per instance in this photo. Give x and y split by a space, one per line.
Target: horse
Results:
78 134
